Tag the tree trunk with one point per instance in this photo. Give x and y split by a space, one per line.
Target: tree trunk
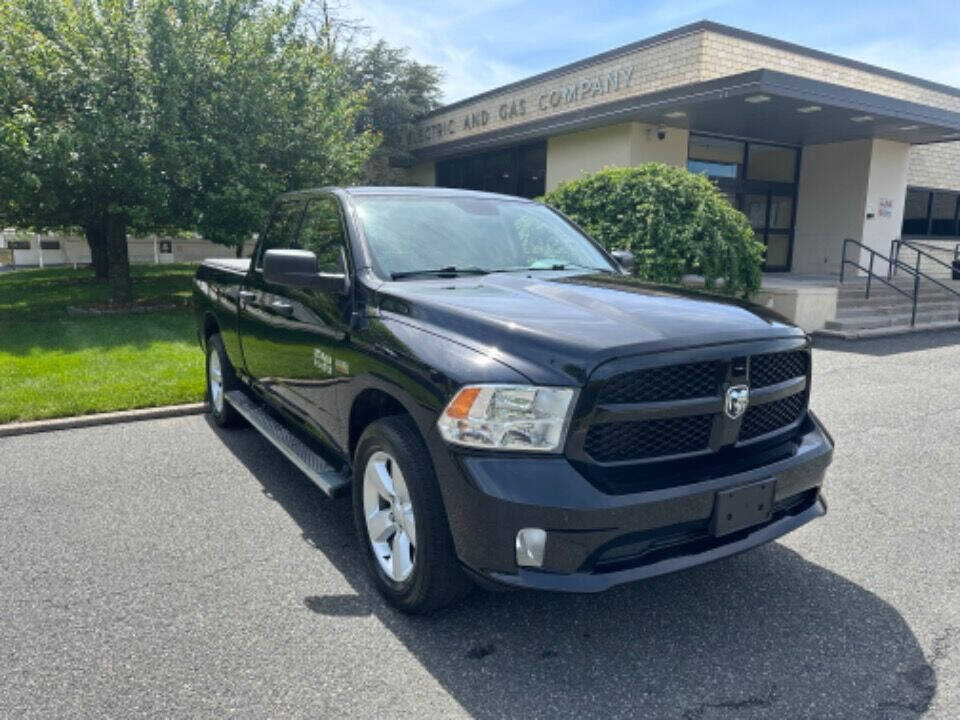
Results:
239 249
96 233
118 260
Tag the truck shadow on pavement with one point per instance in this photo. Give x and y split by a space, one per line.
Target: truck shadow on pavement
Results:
764 634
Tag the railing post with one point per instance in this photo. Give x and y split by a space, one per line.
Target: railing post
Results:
916 293
870 273
891 263
843 258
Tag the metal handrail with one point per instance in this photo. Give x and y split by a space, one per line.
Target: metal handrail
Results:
917 248
893 263
921 253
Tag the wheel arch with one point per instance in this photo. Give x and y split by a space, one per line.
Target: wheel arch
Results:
367 407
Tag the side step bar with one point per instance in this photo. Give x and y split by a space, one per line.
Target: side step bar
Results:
331 481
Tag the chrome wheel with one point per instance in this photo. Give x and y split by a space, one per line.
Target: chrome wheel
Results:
389 514
215 377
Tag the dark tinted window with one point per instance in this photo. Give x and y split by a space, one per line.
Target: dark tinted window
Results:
512 171
322 233
282 230
716 157
771 162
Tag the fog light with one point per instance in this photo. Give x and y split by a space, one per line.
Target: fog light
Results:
531 543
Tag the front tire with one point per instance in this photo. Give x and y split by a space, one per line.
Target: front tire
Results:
401 520
221 380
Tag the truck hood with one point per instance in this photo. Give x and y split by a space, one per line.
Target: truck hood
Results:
558 326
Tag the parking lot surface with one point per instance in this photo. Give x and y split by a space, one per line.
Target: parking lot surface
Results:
170 569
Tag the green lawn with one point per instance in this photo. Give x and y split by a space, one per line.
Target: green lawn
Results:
55 365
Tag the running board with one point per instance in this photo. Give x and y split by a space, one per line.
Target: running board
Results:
331 481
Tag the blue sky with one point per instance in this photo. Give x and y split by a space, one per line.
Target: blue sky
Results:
483 44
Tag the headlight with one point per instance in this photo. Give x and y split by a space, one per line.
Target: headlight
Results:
508 417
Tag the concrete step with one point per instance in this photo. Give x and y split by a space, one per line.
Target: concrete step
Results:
852 311
881 320
863 334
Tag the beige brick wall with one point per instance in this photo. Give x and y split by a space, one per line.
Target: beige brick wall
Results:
727 55
935 166
664 65
695 57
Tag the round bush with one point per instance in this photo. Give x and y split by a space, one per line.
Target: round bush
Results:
673 221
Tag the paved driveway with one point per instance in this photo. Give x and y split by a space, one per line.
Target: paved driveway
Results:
169 569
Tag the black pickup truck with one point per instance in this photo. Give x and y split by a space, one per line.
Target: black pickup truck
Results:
504 401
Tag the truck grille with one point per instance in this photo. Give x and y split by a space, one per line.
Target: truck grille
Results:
677 382
762 419
772 368
613 442
633 419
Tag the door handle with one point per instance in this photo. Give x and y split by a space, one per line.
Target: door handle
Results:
281 308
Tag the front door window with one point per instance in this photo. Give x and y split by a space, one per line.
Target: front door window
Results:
759 180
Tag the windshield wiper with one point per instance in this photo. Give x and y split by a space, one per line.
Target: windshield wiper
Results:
570 266
450 271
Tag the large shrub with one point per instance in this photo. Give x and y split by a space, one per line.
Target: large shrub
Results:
673 221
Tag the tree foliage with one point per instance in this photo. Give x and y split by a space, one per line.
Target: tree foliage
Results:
159 114
673 221
399 90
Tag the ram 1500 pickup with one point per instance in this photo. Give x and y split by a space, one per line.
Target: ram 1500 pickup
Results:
503 400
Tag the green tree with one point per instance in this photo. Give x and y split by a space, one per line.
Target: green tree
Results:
399 90
148 115
673 221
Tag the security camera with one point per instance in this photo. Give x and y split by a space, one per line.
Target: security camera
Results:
661 133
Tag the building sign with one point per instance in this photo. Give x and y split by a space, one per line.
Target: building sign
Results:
885 208
166 247
539 101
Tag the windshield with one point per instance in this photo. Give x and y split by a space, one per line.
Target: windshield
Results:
412 235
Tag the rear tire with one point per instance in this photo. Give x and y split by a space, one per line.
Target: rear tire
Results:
396 496
220 380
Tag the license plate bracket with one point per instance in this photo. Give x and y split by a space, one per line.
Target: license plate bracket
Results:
742 507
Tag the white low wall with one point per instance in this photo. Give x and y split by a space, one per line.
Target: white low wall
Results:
73 250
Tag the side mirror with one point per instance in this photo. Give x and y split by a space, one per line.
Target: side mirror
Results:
298 268
625 258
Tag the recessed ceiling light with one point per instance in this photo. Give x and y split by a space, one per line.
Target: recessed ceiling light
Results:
909 127
809 109
861 118
675 114
757 99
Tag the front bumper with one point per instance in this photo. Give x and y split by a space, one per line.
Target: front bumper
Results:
597 540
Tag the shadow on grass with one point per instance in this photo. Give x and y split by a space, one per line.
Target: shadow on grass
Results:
765 634
44 294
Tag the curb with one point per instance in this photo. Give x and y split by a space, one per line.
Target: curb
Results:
886 332
111 418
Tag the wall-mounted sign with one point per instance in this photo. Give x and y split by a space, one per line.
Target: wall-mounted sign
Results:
885 208
536 102
166 247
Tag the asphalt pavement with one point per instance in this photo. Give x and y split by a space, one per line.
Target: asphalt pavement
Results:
170 569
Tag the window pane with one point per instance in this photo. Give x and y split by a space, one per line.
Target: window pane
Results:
322 233
943 212
769 162
781 212
715 156
915 212
778 251
755 208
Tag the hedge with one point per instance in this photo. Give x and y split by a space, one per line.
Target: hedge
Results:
674 222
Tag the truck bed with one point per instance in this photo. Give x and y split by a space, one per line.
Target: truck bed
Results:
236 265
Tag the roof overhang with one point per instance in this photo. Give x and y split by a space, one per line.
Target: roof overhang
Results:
760 104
